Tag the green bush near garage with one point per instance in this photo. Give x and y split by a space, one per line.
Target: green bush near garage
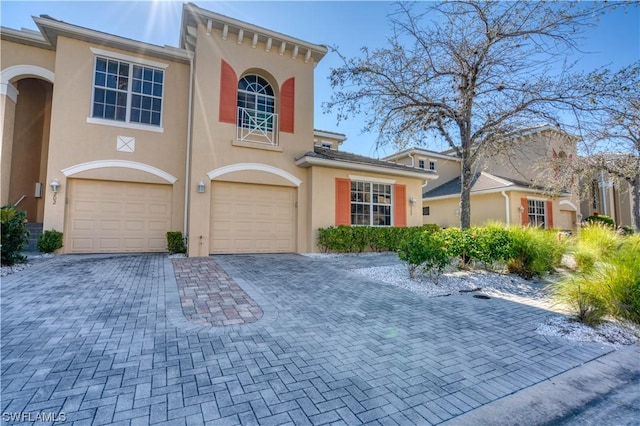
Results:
175 242
14 234
50 241
358 239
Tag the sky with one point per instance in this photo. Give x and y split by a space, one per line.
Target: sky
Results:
348 26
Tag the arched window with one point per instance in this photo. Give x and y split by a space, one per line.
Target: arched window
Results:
256 110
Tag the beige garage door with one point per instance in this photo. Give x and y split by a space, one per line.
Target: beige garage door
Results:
247 218
106 216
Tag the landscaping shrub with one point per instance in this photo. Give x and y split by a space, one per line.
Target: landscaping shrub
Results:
14 234
50 241
491 244
356 239
627 230
534 251
600 218
614 285
588 308
597 241
458 244
425 250
175 242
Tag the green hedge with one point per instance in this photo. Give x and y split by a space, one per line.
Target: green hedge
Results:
14 235
50 241
358 239
175 242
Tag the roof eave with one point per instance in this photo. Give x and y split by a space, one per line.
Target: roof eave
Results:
309 161
496 190
31 38
51 29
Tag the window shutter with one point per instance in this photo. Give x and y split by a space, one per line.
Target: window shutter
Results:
343 201
549 214
399 205
287 103
228 94
525 211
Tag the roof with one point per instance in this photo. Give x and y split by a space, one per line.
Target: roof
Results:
340 159
482 183
193 15
423 152
341 137
51 28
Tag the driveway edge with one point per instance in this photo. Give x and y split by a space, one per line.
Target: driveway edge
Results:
560 397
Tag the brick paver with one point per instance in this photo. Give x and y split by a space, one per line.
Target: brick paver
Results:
210 297
103 340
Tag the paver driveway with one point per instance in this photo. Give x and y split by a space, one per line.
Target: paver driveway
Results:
102 339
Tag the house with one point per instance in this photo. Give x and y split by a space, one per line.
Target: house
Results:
116 141
609 197
506 187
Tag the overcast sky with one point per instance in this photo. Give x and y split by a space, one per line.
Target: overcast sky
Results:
347 25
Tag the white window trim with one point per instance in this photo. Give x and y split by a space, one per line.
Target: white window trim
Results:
116 123
124 124
127 58
393 198
533 198
546 212
372 179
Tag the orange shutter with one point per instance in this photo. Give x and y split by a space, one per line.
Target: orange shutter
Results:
343 201
549 214
228 94
525 211
400 205
287 103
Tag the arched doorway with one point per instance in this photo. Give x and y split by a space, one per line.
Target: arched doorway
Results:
25 146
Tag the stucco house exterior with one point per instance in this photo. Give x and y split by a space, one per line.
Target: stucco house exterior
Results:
115 141
608 196
506 188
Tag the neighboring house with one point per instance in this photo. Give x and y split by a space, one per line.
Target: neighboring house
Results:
507 186
608 197
115 141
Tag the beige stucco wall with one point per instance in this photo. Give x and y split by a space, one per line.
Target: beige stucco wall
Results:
484 208
214 143
7 117
323 198
73 141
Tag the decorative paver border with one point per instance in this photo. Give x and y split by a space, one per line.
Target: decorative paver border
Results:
175 306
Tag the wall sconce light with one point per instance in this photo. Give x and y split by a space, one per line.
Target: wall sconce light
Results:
55 185
201 187
412 200
520 209
457 212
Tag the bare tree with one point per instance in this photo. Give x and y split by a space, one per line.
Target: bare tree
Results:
472 75
611 129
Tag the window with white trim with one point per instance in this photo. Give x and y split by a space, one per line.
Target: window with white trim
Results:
256 110
432 165
371 203
127 92
421 164
537 213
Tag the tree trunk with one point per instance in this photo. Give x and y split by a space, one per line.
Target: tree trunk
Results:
635 187
465 194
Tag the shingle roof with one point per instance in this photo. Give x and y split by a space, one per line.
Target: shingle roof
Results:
347 157
481 182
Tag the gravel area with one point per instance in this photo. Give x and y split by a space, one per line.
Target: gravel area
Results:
510 287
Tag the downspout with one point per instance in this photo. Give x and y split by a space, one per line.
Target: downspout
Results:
413 160
187 172
506 208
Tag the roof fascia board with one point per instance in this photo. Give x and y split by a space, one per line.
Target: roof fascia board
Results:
308 161
28 37
51 29
490 191
319 51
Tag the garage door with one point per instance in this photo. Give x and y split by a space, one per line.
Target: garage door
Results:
105 216
248 218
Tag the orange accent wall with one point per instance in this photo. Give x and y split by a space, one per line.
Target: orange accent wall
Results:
399 205
343 201
287 105
550 214
525 212
228 94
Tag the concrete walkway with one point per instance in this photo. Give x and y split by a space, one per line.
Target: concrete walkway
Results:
104 340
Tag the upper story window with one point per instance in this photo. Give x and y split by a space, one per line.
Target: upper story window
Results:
421 164
257 120
370 203
432 165
127 92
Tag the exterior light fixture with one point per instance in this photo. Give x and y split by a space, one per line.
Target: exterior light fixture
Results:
201 187
520 209
55 185
412 200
